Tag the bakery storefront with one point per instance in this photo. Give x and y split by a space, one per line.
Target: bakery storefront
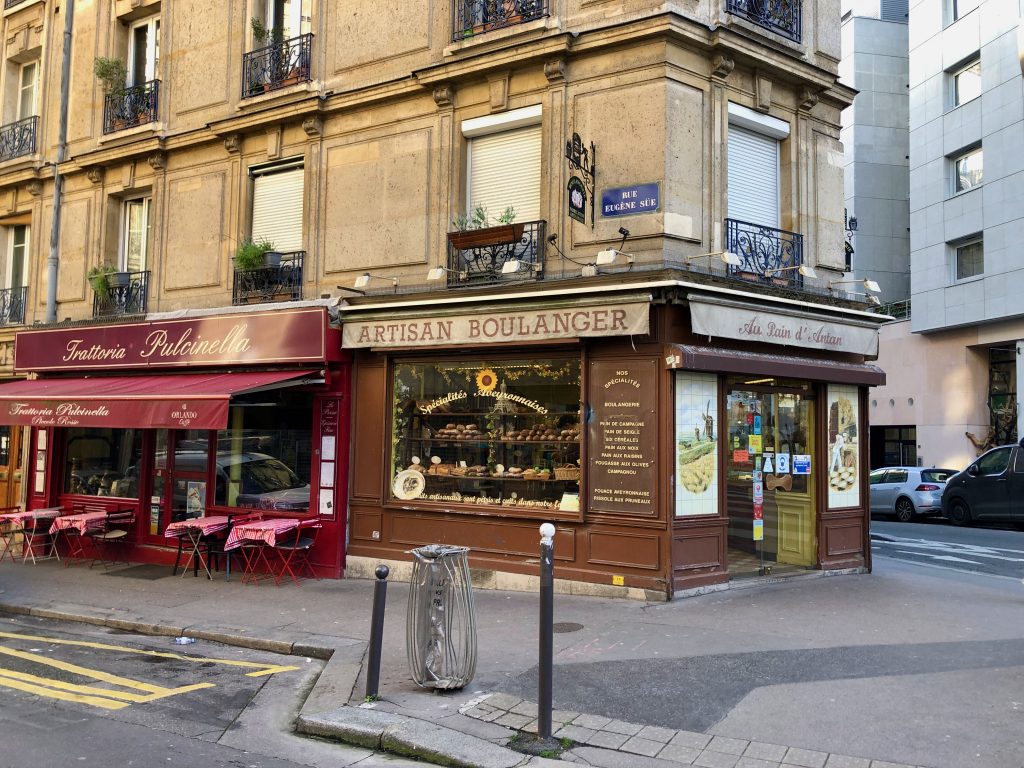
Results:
671 449
184 416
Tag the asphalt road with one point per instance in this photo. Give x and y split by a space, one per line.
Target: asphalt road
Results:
993 550
80 695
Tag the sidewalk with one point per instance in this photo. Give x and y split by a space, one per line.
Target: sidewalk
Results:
906 667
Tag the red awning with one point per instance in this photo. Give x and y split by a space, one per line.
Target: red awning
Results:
184 401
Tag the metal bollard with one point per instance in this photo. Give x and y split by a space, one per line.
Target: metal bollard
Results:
380 594
547 606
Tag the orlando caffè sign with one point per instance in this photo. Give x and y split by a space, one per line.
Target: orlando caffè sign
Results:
507 327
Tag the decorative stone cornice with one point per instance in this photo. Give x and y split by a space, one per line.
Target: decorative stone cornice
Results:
554 71
94 174
158 161
313 126
808 98
498 85
35 187
444 96
722 66
233 143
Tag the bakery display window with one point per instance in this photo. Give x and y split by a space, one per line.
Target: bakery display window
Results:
487 433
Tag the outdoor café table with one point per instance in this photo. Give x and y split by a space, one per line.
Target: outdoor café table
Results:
25 523
82 523
256 537
194 530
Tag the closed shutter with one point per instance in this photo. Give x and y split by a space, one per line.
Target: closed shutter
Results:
894 10
753 177
277 209
504 170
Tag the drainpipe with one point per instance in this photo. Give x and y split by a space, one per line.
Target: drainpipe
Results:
58 181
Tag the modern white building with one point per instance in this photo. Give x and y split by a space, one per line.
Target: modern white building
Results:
953 367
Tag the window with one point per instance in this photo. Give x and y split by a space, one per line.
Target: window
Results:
477 433
967 83
876 476
17 256
968 170
995 462
290 18
753 166
28 77
144 52
936 475
135 235
102 462
970 260
896 476
961 8
504 163
277 205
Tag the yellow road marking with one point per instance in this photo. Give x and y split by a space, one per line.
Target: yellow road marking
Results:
50 693
133 698
262 669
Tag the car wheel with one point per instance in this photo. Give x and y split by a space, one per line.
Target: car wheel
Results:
904 510
959 512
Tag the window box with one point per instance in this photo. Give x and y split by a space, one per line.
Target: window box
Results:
503 234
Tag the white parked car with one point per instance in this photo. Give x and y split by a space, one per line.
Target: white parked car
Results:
908 492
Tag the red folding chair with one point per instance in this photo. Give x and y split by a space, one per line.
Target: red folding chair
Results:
10 531
293 554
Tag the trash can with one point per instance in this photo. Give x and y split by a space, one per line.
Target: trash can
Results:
441 621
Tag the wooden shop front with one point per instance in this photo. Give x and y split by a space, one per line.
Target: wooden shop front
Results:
669 453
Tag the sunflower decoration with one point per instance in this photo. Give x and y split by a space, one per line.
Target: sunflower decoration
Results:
486 380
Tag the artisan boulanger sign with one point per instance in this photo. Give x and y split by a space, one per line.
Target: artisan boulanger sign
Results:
238 339
747 322
500 327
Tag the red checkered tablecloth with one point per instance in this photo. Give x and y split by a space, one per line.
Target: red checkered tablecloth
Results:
83 523
265 531
205 525
32 514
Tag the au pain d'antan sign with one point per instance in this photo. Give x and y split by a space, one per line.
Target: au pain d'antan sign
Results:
239 339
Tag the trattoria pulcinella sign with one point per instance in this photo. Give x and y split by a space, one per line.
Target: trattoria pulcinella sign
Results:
747 322
500 327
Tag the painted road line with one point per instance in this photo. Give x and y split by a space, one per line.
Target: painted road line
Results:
260 669
52 693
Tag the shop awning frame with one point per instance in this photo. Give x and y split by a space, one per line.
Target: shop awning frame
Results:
695 358
171 401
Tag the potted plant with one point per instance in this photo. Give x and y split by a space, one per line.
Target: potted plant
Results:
113 76
99 279
256 254
476 231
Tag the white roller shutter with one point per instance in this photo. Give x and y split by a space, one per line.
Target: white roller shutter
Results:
277 208
504 170
753 177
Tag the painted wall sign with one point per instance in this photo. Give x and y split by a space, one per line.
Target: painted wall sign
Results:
747 322
577 200
622 433
500 327
284 335
629 201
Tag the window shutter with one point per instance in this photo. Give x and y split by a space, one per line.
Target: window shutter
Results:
277 209
894 10
504 170
753 177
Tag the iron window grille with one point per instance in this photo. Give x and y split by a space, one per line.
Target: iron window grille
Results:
764 251
135 105
278 65
130 299
12 305
263 284
471 17
18 139
779 16
477 257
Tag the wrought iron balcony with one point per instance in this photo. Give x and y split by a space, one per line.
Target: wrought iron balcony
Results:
12 3
779 16
12 305
129 299
264 284
132 106
18 139
471 17
478 256
766 254
277 65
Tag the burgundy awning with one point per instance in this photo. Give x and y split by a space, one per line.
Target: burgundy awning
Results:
184 401
767 364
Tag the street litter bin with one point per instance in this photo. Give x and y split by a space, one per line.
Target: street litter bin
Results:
441 622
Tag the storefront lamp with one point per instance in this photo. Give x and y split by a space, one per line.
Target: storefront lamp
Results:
364 280
438 273
611 256
726 257
871 285
803 269
512 266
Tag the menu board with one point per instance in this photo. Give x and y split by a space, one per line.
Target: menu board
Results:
622 436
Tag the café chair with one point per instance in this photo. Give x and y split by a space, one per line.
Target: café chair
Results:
113 537
215 544
293 555
10 531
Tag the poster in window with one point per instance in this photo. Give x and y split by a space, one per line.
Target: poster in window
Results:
327 447
327 474
41 440
40 461
843 447
325 502
696 444
195 499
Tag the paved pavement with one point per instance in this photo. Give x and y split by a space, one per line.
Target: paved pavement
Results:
909 666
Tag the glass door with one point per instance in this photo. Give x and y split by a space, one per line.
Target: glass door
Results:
180 473
769 477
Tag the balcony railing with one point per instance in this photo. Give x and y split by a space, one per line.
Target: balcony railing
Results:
277 65
129 299
471 17
12 306
18 139
779 16
264 284
479 256
766 254
12 3
136 105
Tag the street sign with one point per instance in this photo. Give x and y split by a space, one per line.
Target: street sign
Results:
759 530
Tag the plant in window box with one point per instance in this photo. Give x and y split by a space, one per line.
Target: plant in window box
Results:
256 254
477 231
113 76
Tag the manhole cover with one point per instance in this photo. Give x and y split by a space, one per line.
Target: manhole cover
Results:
566 626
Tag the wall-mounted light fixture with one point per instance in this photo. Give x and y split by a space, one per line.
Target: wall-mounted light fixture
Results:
512 266
364 280
871 285
726 257
802 269
438 273
613 256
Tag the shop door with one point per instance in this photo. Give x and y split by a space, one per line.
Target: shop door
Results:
771 503
10 465
180 473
